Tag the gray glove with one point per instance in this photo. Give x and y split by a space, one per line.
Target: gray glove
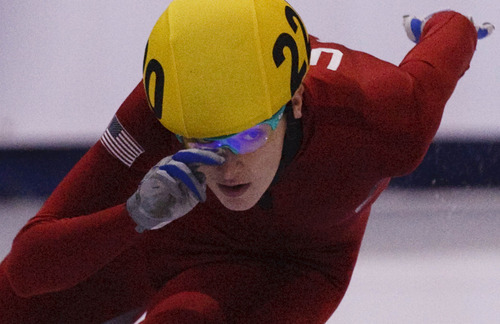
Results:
171 189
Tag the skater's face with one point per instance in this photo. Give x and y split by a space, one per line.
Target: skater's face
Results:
243 178
241 181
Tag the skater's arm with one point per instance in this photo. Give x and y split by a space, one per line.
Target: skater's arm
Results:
425 80
84 223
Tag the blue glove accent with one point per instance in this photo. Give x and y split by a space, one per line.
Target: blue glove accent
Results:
176 172
171 189
413 27
199 156
482 33
185 163
484 30
416 28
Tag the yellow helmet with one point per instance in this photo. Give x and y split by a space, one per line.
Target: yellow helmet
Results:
218 67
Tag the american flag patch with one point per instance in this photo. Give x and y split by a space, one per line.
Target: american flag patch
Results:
120 143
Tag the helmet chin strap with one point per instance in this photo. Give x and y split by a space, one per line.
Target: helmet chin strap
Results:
291 146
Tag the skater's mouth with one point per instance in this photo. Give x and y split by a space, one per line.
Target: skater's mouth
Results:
233 190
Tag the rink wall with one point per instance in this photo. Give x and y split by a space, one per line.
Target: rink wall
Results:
36 172
68 65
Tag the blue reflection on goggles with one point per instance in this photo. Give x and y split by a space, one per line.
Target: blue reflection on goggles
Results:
243 142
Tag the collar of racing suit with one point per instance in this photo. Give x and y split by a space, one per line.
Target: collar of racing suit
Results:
291 146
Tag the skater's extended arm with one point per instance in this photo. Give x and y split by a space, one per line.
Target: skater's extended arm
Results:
84 224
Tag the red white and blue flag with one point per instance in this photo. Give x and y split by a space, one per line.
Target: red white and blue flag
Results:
120 143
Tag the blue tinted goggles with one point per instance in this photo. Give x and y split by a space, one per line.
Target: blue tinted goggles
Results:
244 142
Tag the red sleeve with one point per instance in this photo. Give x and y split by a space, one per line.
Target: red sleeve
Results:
399 107
84 223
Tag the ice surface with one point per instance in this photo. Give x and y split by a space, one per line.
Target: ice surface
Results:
430 256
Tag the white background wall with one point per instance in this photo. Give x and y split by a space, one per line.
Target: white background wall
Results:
66 66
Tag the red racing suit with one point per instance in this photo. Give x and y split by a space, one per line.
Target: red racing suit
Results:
79 260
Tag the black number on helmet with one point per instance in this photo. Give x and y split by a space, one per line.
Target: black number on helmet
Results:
155 67
287 41
290 14
145 56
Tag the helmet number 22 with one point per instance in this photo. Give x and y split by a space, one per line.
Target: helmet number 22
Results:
288 41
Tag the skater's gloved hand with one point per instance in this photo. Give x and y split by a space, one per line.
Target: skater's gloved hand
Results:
171 189
483 30
414 27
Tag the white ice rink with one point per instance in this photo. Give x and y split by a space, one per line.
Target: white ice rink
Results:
428 257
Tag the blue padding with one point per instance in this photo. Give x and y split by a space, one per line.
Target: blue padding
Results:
36 172
456 164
